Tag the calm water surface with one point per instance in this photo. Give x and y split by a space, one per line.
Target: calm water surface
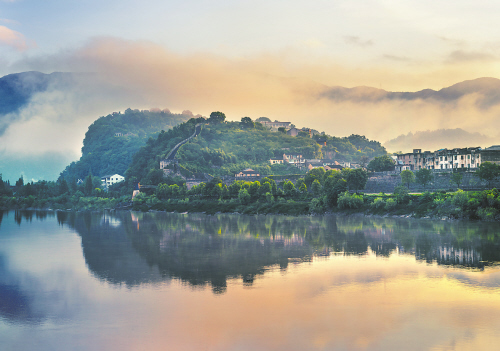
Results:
156 281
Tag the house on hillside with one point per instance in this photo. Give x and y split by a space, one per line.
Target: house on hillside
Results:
293 132
276 124
274 161
294 159
108 180
247 173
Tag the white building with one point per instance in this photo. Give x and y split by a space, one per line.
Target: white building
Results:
111 179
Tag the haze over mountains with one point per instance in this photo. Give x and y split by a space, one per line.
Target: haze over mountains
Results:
487 91
43 117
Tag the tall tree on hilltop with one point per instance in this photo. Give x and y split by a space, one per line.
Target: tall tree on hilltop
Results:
217 117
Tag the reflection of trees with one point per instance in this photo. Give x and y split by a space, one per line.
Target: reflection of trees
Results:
107 250
202 249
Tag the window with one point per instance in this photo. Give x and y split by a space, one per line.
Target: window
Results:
455 157
462 157
468 156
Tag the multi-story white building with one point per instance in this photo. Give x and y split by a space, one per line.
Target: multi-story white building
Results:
446 159
108 180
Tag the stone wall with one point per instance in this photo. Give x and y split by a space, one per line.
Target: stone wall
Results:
386 182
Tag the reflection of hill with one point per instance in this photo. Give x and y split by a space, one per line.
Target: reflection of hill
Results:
107 250
136 248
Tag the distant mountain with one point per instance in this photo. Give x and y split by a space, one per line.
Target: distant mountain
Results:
432 140
487 89
16 89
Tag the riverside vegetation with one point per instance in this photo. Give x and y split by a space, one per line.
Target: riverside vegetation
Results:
226 147
318 191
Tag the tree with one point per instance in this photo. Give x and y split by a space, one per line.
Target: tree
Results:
216 117
88 186
363 161
246 122
356 178
334 186
381 164
289 188
316 187
407 177
20 182
424 176
456 177
303 188
63 186
282 130
488 171
314 174
244 197
402 194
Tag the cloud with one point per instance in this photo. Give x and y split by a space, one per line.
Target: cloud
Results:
9 21
358 41
13 39
432 140
459 56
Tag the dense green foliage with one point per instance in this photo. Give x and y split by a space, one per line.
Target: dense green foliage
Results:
424 176
488 171
222 149
381 164
407 177
354 148
111 141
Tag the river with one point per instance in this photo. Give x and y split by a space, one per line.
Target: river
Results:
158 281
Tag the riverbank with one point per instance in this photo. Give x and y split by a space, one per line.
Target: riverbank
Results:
480 205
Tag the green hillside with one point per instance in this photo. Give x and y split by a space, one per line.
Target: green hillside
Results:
111 141
225 148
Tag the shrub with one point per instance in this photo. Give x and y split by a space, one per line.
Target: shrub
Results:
460 199
402 194
348 201
378 203
318 205
390 204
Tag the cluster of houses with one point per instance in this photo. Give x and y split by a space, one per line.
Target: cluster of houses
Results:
447 159
300 162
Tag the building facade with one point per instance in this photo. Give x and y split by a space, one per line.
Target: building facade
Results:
446 159
108 180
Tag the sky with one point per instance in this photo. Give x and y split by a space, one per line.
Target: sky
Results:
250 58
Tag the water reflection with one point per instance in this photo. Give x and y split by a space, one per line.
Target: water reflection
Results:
135 248
134 281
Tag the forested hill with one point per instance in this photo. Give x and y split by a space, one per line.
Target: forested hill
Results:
111 141
225 148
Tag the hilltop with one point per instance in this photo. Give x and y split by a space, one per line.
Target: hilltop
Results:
225 148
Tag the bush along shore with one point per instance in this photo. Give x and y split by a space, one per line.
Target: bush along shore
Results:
318 192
